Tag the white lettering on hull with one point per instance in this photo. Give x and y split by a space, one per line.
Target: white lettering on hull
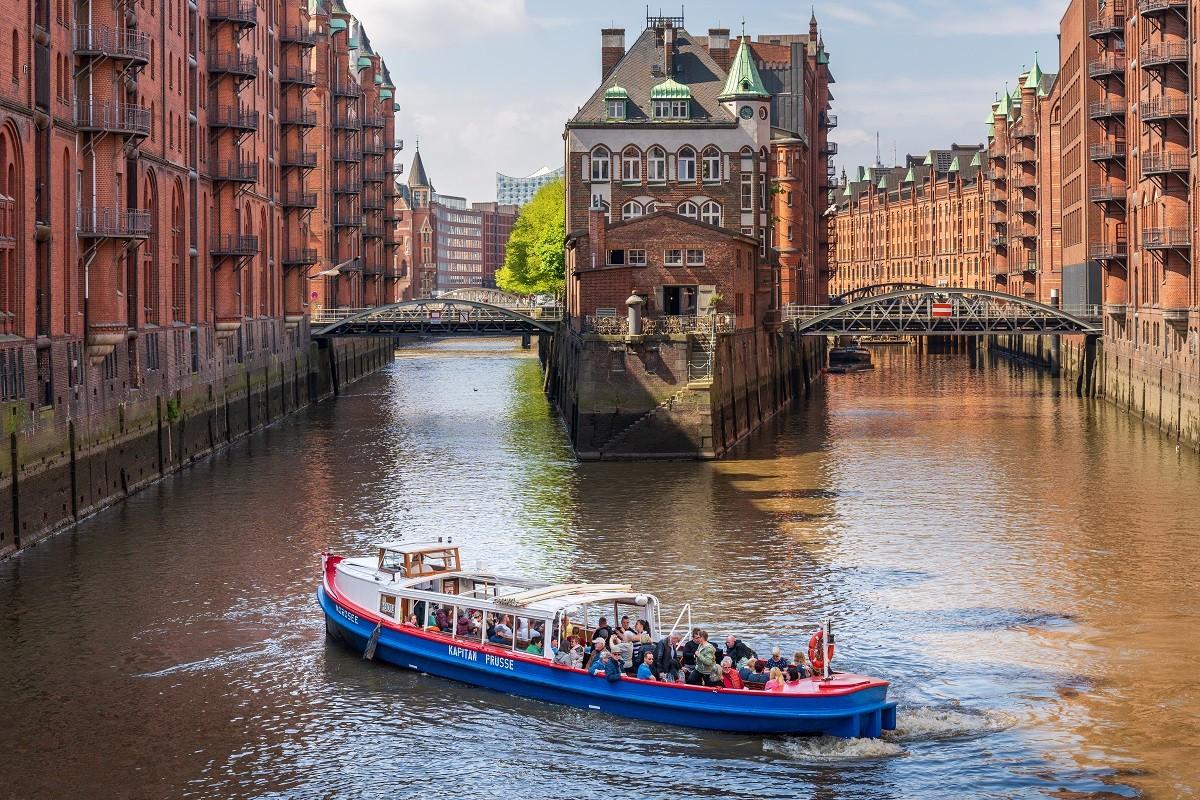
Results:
463 653
466 654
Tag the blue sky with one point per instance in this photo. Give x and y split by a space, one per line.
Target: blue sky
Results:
488 84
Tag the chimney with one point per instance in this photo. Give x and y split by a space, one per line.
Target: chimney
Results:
612 48
597 237
718 46
668 50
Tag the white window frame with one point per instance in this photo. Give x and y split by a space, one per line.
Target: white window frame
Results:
600 164
632 210
710 212
747 191
688 174
656 165
688 209
675 260
695 262
711 161
631 165
681 109
616 109
635 258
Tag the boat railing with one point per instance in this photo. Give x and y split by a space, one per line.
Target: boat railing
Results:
687 609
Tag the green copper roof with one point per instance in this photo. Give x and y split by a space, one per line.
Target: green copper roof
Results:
991 117
883 181
615 92
1016 98
991 130
743 81
670 89
847 193
364 61
928 160
1004 107
910 178
1034 81
337 25
977 161
385 94
395 106
954 167
860 174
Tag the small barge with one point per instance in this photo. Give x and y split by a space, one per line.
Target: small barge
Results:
849 359
378 605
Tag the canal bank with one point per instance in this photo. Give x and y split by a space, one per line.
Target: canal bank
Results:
59 467
673 396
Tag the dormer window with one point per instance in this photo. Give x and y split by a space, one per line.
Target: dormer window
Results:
671 100
616 102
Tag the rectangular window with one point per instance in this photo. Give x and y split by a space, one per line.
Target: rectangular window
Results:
600 168
662 109
616 257
695 258
616 109
636 258
673 258
747 191
679 109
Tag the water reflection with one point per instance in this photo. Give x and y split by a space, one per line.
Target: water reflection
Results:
1022 564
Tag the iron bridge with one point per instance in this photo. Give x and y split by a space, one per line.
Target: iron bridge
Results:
930 311
437 317
874 290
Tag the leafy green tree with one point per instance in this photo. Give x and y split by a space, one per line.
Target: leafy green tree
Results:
533 260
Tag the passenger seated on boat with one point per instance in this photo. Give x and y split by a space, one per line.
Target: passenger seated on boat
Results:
535 643
602 630
605 664
643 645
645 670
624 627
729 676
792 678
800 662
442 618
775 680
737 650
412 621
689 650
502 633
624 651
465 625
706 672
776 661
641 628
522 629
666 657
754 674
598 646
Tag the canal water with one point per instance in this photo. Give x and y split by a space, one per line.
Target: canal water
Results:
1020 563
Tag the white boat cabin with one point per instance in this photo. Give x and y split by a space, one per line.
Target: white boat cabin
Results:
424 585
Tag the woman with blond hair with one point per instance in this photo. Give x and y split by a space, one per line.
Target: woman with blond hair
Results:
775 681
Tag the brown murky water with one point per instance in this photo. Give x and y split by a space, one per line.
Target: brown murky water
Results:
1023 565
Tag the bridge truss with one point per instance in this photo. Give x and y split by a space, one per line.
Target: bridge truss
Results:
441 317
874 290
929 311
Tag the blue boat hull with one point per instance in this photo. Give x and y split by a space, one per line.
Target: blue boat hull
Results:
863 712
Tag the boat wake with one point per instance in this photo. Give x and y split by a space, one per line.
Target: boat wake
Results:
924 723
915 724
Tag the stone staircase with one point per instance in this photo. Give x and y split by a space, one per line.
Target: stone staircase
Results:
678 427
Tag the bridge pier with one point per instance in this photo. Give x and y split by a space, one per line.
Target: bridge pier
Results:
526 341
1055 355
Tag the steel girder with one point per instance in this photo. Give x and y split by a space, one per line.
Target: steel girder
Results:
439 317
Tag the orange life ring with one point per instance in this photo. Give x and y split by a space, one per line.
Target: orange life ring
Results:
816 651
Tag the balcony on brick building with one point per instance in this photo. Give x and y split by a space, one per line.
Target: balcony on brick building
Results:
1103 109
98 41
373 121
1026 182
1107 64
373 148
297 75
998 218
995 175
1166 238
829 149
239 12
347 217
1107 151
998 240
1024 206
299 157
235 170
1110 23
112 223
998 197
1162 108
1165 163
243 66
1024 157
346 87
297 34
347 151
374 175
235 117
123 118
294 198
373 202
347 185
1109 251
300 117
1150 7
1025 130
1108 193
233 244
299 256
374 229
829 120
346 119
1162 54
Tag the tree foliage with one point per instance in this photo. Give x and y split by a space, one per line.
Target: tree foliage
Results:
533 259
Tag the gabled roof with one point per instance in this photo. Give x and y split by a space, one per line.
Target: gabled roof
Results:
743 81
640 70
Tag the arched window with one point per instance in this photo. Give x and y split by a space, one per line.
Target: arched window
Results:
631 165
656 165
710 212
689 209
178 257
600 159
712 165
150 282
687 165
631 210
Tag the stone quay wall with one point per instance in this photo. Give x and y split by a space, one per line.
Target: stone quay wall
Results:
54 473
630 397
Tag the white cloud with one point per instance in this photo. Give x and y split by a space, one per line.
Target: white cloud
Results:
445 24
952 17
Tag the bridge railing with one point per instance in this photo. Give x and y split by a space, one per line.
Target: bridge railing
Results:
995 308
664 325
436 310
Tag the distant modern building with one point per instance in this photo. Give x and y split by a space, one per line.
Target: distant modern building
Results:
519 191
446 242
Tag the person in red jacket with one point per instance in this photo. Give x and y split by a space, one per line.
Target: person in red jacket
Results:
729 676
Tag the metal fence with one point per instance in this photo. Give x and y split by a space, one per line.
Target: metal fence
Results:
663 326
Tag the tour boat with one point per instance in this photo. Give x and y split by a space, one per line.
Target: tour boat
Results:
369 603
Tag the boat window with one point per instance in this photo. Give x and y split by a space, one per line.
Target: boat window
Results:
391 561
387 605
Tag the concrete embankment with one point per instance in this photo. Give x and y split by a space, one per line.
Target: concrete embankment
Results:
54 471
653 397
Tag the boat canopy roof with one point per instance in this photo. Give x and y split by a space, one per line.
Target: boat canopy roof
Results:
416 547
566 596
